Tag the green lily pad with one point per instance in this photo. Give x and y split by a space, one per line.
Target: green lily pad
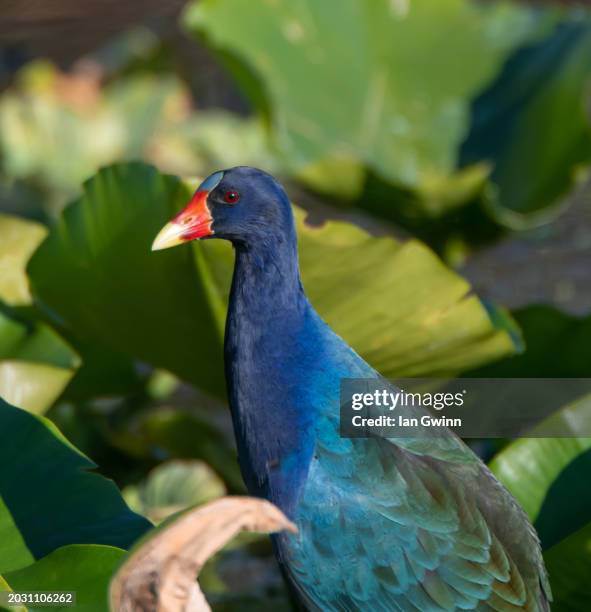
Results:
396 303
48 496
382 84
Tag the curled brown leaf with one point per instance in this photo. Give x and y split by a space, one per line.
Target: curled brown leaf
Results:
160 575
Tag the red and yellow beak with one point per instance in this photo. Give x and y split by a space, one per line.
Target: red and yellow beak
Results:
193 222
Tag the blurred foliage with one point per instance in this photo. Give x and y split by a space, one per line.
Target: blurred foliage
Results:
20 238
568 564
174 486
175 432
457 120
349 94
534 159
402 102
60 128
57 129
558 346
35 363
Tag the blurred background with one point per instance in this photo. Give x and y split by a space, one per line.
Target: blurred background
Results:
439 152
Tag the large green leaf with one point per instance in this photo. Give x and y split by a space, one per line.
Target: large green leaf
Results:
35 364
533 124
97 273
396 303
386 84
48 496
549 476
83 569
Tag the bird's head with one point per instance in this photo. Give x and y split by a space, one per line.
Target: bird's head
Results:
242 204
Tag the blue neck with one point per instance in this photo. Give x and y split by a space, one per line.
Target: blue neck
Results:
269 344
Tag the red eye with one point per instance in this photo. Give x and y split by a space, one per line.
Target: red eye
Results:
231 197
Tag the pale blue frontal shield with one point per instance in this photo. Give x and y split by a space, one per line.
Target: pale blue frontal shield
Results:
211 182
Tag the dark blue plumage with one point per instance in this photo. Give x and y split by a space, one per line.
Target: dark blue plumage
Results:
384 524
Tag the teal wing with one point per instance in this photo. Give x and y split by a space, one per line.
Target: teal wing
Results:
382 528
